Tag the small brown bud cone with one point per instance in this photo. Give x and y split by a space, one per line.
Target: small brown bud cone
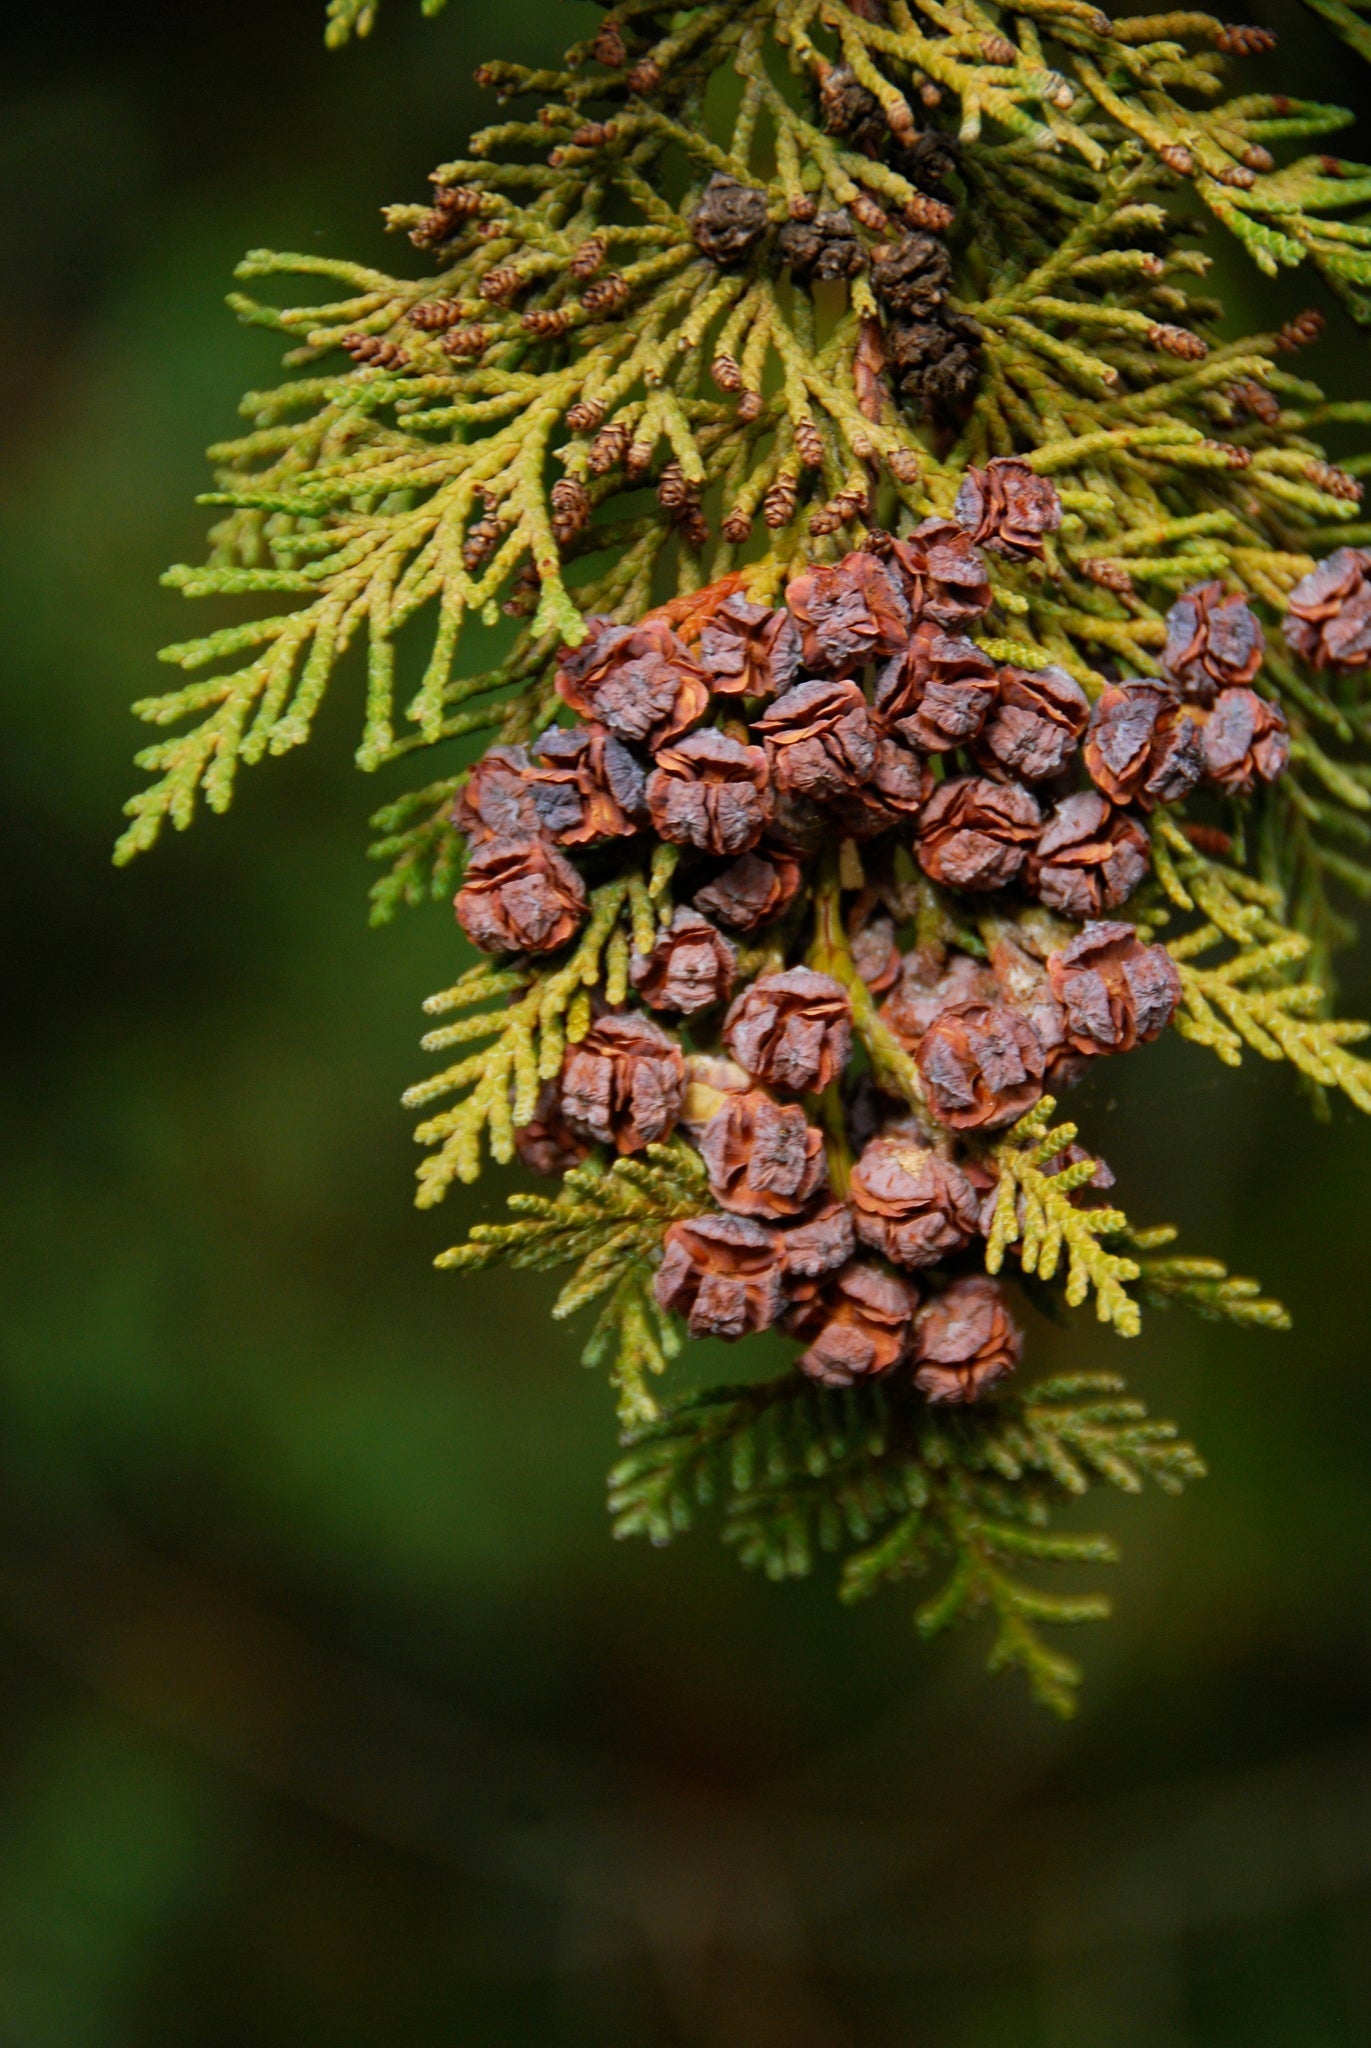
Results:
913 277
481 541
730 219
1329 620
869 211
645 77
1141 746
434 316
1238 39
982 1066
763 1158
547 1144
1036 725
1245 740
467 341
1179 341
502 284
727 373
723 1274
975 834
943 576
737 527
674 488
923 211
809 444
689 968
710 791
1177 158
586 786
520 896
938 692
609 447
608 48
373 352
1213 642
875 954
607 296
496 801
1089 858
910 1205
1116 992
928 985
778 506
753 890
820 741
1258 158
1326 476
748 650
549 322
848 614
858 1323
750 408
792 1031
1109 575
640 681
1007 508
1301 332
965 1340
623 1084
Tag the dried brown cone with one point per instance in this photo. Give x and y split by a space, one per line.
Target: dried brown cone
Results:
586 786
1326 476
913 277
730 219
546 1144
1036 724
942 575
1329 620
792 1031
857 1323
982 1066
939 692
1214 642
496 800
737 527
894 793
848 613
976 834
723 1274
875 954
609 447
467 341
1245 740
937 361
520 896
1180 341
753 890
1089 858
727 373
641 681
762 1156
1142 746
868 210
710 791
1007 508
930 983
965 1340
910 1205
824 249
849 109
749 650
1116 992
820 741
690 967
623 1084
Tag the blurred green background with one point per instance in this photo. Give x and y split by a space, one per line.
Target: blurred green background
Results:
329 1713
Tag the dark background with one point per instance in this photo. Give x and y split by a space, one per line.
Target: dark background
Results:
329 1713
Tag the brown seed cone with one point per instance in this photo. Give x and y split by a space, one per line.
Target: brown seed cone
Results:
938 693
848 614
547 1144
875 955
748 650
690 967
1089 857
982 1066
1245 740
819 1245
640 681
1141 746
822 250
975 834
910 1205
792 1031
729 221
1036 725
1116 992
858 1323
1214 642
820 741
913 277
930 984
753 890
496 800
964 1341
763 1157
723 1274
942 574
623 1084
520 896
1021 980
710 791
1329 620
895 793
1007 508
586 785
